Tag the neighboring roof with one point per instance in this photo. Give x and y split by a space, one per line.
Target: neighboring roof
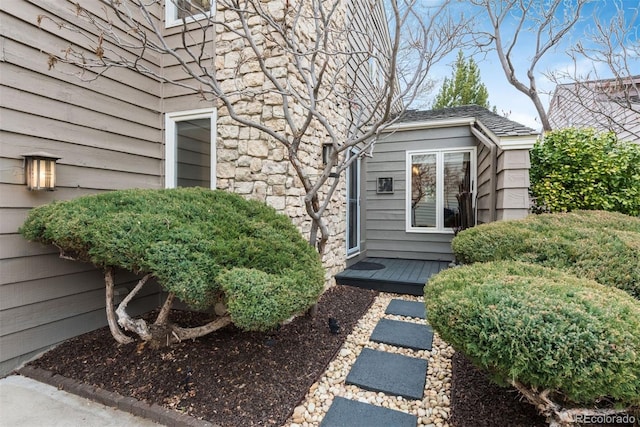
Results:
605 105
499 125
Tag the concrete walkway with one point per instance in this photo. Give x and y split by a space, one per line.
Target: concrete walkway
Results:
28 403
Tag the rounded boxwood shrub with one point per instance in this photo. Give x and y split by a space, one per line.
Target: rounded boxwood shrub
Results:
202 245
542 328
603 246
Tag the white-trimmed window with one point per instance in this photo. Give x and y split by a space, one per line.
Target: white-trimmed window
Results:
435 178
353 205
190 142
189 10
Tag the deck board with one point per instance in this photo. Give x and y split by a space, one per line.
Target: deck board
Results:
399 275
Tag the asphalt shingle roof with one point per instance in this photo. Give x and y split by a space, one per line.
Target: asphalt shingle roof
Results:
499 125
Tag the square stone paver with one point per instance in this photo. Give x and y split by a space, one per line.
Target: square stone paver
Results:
350 413
393 374
406 308
403 334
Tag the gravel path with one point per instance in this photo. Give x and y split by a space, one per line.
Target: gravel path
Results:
432 411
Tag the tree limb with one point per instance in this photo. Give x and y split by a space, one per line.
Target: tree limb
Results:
139 326
109 304
163 315
555 413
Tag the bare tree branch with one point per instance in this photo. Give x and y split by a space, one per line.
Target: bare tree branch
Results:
549 21
600 88
327 59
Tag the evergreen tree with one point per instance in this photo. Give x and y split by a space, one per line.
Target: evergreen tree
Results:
464 87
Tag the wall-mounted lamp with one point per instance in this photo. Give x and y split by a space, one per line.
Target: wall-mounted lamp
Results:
40 170
326 153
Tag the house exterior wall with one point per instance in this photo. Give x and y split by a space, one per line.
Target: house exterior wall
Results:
110 134
255 165
486 183
513 200
385 226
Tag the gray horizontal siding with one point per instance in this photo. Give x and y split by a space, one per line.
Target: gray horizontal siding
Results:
485 186
36 339
109 133
385 213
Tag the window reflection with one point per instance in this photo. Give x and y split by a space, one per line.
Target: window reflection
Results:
423 190
457 182
441 190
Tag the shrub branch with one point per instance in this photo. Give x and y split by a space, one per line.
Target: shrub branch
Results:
557 416
111 315
139 326
163 316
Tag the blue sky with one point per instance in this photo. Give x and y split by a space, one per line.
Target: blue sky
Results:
505 97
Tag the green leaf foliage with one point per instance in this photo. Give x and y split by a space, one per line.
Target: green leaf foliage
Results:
541 327
464 87
603 246
581 169
192 240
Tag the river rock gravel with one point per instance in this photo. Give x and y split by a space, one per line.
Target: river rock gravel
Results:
432 411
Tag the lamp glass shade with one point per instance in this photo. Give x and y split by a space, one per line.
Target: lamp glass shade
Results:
40 172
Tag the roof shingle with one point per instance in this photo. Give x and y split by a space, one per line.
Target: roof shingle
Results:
499 125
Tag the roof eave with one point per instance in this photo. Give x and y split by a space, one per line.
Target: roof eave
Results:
517 142
510 142
430 124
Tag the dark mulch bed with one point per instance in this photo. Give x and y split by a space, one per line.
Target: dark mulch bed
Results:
477 402
252 379
237 378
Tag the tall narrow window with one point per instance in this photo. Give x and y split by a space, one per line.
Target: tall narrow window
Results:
423 190
353 206
190 144
441 189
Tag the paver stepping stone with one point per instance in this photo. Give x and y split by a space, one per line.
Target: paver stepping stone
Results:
394 374
406 308
350 413
403 334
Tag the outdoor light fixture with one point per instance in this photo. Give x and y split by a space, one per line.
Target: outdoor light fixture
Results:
327 150
326 153
40 171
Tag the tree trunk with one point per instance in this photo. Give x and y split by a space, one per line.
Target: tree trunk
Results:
111 315
138 326
163 316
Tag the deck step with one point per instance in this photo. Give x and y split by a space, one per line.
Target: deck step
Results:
403 334
390 373
401 307
350 413
399 276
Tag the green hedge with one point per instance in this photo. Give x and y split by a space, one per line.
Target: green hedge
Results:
603 246
190 239
541 327
582 169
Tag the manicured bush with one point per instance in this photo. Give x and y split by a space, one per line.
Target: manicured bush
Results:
581 169
603 246
199 244
541 328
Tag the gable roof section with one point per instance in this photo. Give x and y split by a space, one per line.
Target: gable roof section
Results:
605 105
500 130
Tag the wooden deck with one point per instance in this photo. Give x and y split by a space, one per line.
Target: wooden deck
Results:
403 276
